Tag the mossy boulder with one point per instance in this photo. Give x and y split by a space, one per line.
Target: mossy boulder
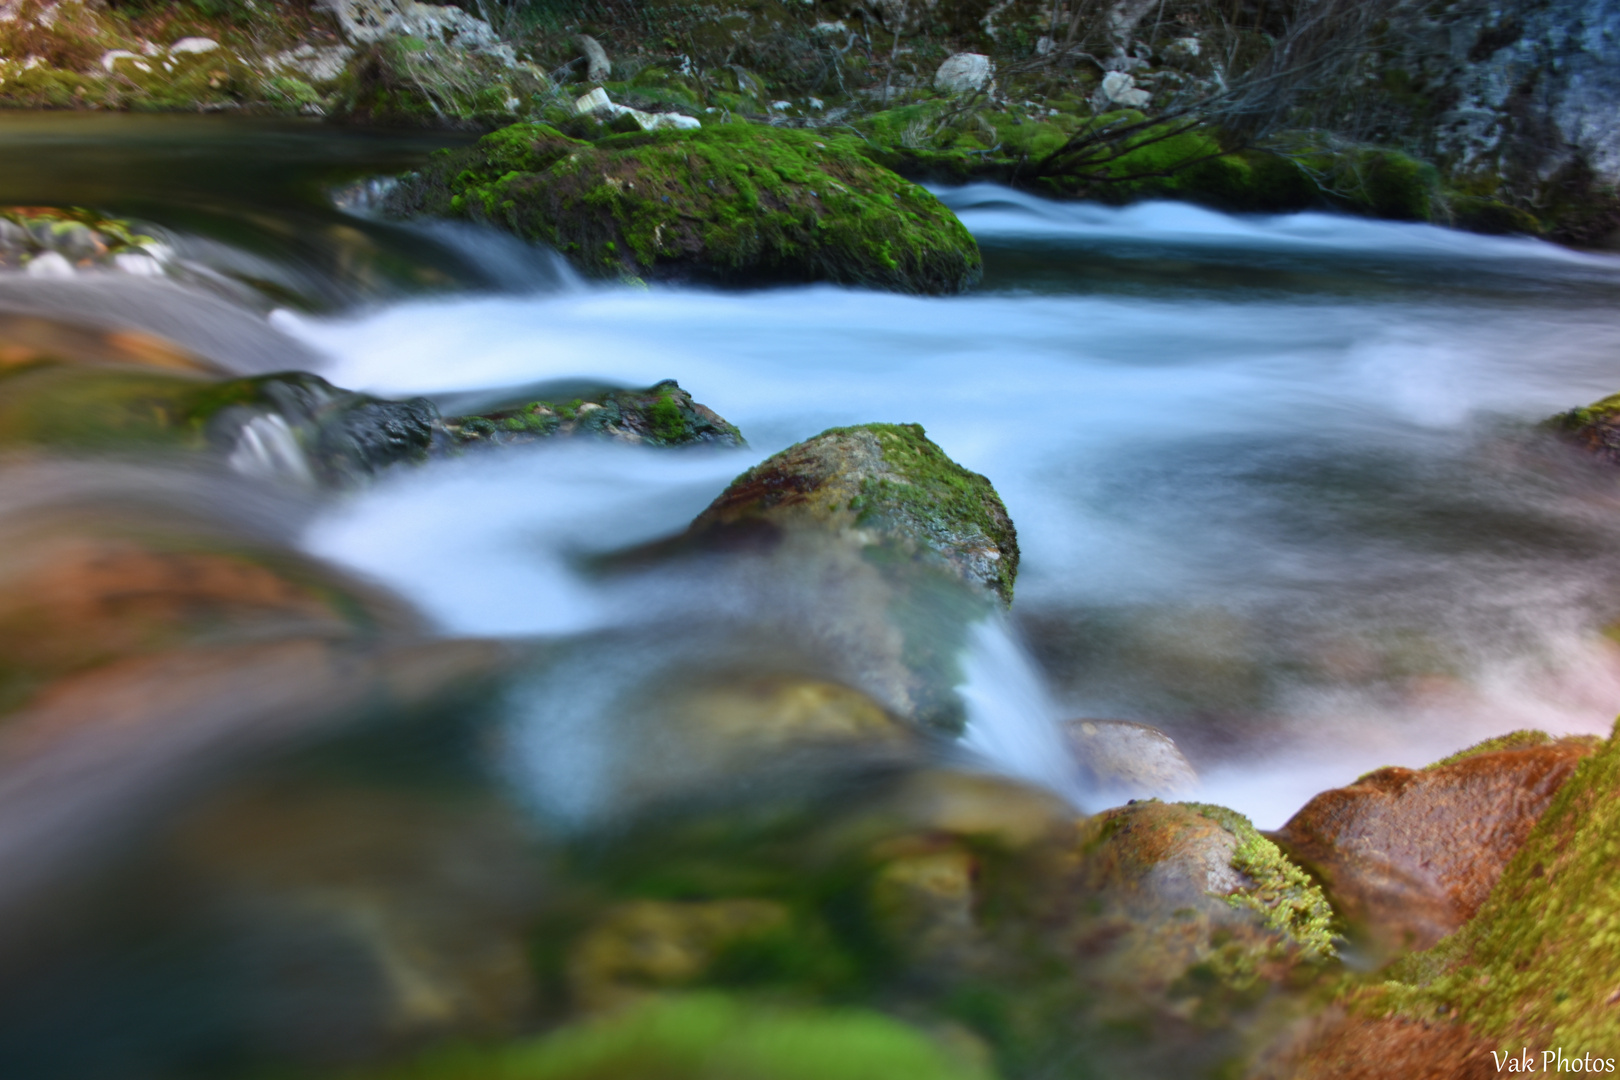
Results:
871 547
1535 967
1408 855
1537 961
1594 429
731 204
292 425
880 484
661 415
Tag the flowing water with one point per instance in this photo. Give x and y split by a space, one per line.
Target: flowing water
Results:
1278 484
1270 476
1274 478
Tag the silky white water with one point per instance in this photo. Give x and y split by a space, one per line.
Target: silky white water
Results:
1272 477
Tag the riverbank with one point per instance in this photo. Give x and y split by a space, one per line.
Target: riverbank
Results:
1117 105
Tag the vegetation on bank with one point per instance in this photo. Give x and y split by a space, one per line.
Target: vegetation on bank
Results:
1239 110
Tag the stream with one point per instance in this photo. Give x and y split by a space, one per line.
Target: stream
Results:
1277 482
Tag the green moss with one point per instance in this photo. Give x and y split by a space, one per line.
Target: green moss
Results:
662 415
667 422
1598 412
707 1037
1375 181
1537 963
1282 893
938 500
1513 740
729 203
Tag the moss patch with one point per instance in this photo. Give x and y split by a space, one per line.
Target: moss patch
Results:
937 500
662 415
1537 964
1283 894
735 203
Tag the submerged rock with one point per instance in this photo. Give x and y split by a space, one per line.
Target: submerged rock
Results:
34 238
288 426
1409 855
129 393
733 204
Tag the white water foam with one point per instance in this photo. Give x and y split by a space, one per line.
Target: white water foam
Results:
1289 462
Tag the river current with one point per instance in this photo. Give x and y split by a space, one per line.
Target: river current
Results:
1276 481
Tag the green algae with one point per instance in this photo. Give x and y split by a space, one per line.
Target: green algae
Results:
732 203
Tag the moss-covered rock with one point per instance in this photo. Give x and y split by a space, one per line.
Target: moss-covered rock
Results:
1594 429
875 550
661 415
1408 855
292 425
1535 966
734 203
883 484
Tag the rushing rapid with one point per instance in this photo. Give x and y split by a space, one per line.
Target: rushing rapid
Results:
1292 514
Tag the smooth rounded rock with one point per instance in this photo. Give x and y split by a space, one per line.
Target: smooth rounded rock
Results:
1409 855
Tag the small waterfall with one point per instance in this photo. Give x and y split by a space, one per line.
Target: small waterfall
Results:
1012 719
267 449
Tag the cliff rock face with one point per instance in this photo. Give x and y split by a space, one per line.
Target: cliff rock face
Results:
1537 84
1516 99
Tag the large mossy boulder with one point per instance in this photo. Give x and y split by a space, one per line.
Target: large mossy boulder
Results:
872 549
729 204
1409 855
1536 964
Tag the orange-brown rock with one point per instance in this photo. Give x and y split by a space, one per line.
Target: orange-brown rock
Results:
1408 855
75 597
1341 1046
